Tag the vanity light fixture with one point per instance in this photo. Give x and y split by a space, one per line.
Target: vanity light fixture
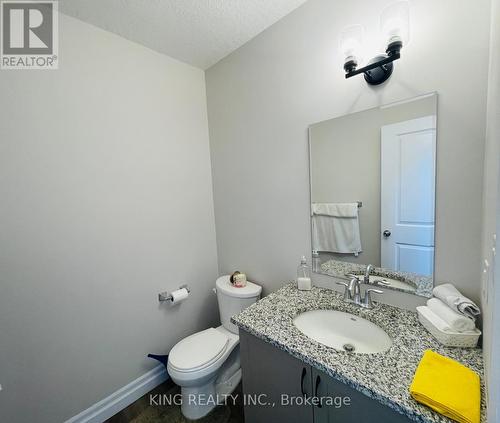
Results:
395 29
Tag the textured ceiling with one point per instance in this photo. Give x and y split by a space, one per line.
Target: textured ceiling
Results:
198 32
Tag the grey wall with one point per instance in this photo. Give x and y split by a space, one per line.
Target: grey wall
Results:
345 166
263 97
490 297
106 200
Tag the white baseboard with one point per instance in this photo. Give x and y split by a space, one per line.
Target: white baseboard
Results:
117 401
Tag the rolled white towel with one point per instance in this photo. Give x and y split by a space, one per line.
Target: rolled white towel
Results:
434 319
451 296
456 321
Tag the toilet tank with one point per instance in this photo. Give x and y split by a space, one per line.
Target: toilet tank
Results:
232 300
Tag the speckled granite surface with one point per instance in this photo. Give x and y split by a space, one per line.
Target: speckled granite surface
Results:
386 376
417 284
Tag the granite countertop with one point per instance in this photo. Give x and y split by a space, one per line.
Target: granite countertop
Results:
385 377
417 284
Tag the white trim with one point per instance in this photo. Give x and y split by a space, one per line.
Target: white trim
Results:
117 401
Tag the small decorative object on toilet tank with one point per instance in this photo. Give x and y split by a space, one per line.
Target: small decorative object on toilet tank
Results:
238 279
303 275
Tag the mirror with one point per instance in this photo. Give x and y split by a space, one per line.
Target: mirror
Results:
373 195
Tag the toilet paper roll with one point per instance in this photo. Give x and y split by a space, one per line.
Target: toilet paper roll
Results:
179 295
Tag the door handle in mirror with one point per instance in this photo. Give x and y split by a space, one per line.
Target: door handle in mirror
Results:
386 233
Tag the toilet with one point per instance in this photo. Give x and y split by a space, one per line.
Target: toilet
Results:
206 365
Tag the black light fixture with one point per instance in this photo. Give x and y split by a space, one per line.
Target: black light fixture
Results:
395 29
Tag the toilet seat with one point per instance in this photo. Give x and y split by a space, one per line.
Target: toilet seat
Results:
198 351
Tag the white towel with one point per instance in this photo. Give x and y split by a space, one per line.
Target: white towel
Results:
434 319
335 209
456 321
335 228
451 296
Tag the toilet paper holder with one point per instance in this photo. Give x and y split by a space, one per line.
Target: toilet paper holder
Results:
167 296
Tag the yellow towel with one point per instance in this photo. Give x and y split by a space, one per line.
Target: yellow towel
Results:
447 387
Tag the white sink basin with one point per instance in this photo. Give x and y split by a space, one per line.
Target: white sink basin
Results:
343 331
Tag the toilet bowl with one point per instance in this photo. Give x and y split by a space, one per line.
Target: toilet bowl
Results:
206 365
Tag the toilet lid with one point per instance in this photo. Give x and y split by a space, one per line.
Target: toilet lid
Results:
198 350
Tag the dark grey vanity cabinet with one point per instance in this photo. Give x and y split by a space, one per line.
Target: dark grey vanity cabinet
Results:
268 373
360 408
275 385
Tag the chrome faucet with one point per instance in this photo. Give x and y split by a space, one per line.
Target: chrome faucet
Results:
368 270
354 289
366 278
352 292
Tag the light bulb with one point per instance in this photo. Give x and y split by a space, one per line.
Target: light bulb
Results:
351 41
395 23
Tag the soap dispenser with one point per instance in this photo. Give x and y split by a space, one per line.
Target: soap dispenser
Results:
303 275
316 262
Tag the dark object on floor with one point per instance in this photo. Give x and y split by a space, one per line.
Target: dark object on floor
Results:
163 359
145 410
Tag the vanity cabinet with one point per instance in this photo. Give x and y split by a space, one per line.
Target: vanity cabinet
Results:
267 374
275 385
360 409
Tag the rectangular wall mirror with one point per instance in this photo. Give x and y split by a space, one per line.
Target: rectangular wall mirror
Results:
373 189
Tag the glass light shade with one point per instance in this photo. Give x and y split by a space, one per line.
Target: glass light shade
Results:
395 22
351 41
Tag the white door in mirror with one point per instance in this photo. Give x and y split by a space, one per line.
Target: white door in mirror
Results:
408 173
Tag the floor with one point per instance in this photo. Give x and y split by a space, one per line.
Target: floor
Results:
142 412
